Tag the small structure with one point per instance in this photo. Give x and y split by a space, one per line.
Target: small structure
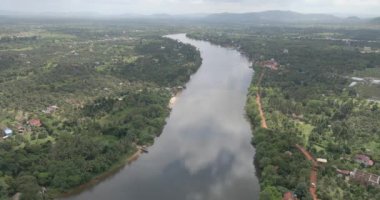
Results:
366 50
288 196
365 178
288 153
271 64
322 160
143 149
35 122
364 160
50 109
7 132
21 129
353 84
286 51
343 172
357 79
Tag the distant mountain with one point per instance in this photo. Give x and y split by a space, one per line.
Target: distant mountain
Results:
49 14
9 13
273 17
354 20
376 20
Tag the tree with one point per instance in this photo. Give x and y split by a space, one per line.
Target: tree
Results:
270 193
28 187
301 190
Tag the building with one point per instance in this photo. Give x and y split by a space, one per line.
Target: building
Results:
21 129
367 50
271 64
365 178
7 132
50 109
321 160
343 172
35 122
288 196
364 160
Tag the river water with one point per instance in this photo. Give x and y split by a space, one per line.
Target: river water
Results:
204 152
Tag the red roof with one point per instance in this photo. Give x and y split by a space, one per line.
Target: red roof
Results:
35 122
344 172
270 64
288 196
365 159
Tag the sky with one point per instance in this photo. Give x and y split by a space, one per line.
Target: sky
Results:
363 8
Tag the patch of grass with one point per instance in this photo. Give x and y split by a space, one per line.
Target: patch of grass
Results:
305 130
369 91
17 49
370 72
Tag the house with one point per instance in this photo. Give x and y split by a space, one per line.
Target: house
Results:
364 160
7 132
343 172
35 122
21 129
322 160
50 109
288 196
365 178
366 50
271 64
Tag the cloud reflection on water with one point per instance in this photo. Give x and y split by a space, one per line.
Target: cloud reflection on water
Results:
204 152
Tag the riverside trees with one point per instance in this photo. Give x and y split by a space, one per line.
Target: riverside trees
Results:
308 101
109 88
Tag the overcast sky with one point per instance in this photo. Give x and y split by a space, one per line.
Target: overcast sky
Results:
340 7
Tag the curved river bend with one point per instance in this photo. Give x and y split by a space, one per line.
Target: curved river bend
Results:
204 152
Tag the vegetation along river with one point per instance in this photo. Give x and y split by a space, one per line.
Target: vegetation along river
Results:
204 152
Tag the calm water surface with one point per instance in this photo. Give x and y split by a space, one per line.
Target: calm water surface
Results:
204 152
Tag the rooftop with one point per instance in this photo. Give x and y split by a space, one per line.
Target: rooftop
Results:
35 122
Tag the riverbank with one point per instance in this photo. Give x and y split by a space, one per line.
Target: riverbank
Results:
174 99
307 154
115 168
199 134
309 101
134 155
128 159
274 146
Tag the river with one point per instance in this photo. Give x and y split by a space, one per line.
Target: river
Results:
204 152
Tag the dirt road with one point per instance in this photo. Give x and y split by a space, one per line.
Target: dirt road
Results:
314 169
258 102
313 173
262 115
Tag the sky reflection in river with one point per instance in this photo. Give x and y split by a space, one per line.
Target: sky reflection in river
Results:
204 152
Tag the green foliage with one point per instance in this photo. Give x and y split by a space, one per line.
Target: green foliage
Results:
308 101
270 193
111 83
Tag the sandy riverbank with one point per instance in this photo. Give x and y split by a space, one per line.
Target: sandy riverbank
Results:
174 99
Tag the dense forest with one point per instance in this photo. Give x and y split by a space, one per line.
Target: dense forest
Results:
80 97
310 99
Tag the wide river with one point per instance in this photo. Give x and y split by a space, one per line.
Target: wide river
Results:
204 152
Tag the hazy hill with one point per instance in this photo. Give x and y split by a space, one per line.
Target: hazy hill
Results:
272 17
376 20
